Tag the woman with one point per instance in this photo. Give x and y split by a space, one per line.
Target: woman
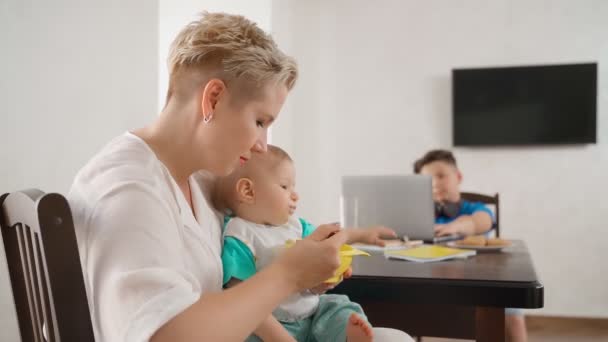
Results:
149 239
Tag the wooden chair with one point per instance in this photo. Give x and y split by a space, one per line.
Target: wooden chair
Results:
488 200
44 268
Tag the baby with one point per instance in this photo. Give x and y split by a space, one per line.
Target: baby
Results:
262 200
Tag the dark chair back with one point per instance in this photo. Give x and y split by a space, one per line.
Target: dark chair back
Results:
44 268
488 200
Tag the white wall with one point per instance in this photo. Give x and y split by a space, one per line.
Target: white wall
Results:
74 75
374 95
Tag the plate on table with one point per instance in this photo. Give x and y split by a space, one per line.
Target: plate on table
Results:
486 248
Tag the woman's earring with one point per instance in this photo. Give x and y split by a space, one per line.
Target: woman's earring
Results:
208 118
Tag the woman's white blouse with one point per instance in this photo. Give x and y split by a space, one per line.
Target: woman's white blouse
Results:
146 256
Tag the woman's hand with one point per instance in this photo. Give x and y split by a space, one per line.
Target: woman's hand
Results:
311 261
324 287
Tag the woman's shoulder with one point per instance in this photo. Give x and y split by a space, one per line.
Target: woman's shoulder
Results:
125 162
126 157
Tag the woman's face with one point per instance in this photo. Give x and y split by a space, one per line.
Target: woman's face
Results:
239 127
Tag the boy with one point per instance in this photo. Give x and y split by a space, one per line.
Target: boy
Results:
454 215
262 198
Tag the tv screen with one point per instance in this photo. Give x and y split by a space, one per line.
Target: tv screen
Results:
525 105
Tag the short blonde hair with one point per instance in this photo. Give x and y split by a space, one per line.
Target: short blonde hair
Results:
231 48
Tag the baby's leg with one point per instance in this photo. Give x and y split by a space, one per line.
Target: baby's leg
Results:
358 330
338 319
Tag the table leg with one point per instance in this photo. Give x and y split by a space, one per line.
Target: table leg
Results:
489 324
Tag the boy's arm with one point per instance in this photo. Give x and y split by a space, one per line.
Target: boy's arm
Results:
477 223
482 222
270 330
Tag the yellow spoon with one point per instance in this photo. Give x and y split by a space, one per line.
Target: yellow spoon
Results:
347 252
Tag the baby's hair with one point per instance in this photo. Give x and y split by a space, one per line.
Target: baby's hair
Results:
433 156
273 157
270 159
278 153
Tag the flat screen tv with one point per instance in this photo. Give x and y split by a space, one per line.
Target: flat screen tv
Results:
525 105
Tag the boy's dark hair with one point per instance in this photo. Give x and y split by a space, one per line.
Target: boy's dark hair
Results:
433 156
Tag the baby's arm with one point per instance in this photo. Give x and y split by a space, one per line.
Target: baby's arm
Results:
372 235
238 262
270 330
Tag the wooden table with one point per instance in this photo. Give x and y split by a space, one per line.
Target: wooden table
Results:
462 298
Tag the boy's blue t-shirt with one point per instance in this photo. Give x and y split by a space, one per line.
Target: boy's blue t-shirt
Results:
466 208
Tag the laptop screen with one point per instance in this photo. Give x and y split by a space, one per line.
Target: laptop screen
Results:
403 203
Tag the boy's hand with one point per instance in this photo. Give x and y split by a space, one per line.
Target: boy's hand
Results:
372 235
463 225
446 229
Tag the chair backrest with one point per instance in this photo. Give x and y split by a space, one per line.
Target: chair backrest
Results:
44 267
485 199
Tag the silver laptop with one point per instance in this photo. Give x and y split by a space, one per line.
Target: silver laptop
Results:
403 203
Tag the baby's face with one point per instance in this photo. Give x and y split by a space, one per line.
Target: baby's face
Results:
275 195
446 181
